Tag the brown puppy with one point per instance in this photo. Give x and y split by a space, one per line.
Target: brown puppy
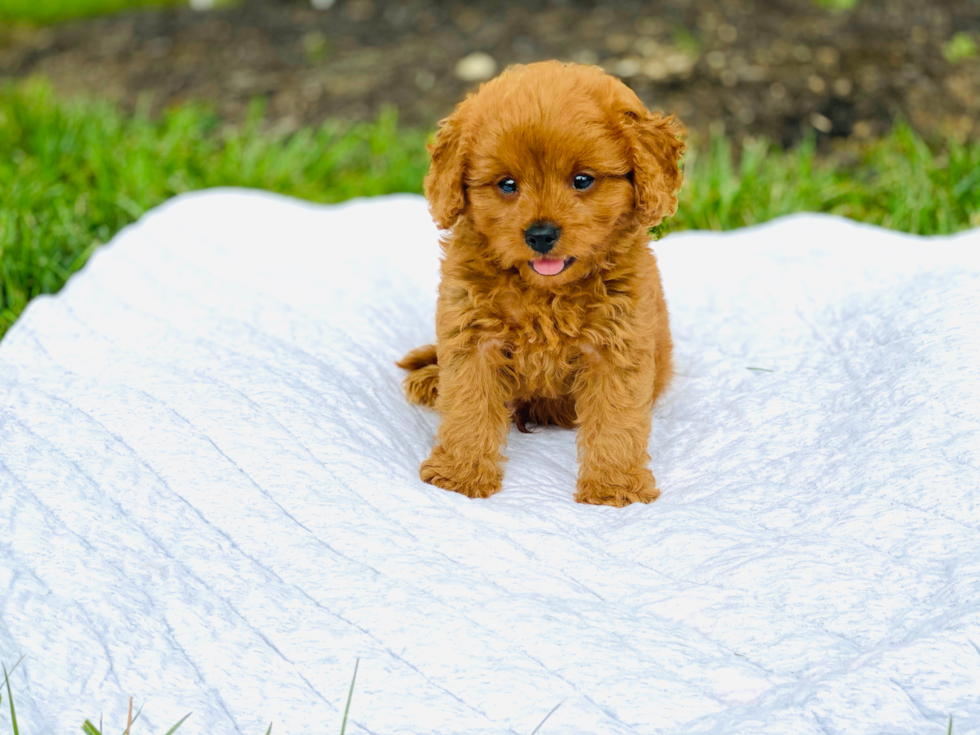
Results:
550 306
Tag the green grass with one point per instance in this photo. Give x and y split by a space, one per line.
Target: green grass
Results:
960 47
39 12
839 6
89 729
899 182
73 173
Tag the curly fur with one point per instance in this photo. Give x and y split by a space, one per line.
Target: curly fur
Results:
589 347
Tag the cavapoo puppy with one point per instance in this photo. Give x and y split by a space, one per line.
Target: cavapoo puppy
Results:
550 307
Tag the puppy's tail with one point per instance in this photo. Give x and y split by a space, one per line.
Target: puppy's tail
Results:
422 384
419 358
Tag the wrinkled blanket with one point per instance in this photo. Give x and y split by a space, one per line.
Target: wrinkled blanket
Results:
209 494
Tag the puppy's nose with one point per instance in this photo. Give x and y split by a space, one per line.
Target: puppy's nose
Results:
541 236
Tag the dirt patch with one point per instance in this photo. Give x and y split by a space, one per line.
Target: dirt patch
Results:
777 68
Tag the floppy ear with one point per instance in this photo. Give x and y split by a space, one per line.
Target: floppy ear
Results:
657 148
444 181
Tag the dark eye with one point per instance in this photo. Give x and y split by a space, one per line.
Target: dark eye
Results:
583 181
507 186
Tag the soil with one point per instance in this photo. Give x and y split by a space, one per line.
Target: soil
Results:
773 68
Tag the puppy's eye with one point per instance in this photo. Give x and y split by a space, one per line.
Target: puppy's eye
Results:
583 181
507 186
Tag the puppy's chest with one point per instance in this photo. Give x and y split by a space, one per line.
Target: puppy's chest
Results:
545 343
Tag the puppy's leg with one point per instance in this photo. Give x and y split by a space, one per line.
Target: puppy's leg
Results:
422 384
614 413
472 400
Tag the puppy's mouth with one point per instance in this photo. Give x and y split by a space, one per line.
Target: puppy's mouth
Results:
550 266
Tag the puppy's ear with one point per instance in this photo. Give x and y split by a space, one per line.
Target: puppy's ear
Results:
657 148
444 182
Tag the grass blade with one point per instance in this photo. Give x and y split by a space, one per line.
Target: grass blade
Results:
137 715
269 731
350 696
14 667
89 729
180 722
11 672
131 720
10 696
535 730
949 727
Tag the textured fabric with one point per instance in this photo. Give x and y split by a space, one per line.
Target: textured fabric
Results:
209 494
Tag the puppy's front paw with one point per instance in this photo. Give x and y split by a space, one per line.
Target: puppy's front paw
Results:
474 477
617 488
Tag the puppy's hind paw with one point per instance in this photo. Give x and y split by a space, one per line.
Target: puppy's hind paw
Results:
474 478
617 488
422 385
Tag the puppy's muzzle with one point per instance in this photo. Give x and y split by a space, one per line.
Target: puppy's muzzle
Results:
541 236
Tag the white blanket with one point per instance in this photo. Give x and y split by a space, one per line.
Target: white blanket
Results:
209 494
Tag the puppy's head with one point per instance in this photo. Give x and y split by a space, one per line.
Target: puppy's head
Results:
552 164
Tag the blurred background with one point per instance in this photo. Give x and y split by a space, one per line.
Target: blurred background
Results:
774 68
868 109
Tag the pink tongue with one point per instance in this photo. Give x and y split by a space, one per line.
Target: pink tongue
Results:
548 266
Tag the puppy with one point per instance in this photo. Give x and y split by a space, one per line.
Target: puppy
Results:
550 307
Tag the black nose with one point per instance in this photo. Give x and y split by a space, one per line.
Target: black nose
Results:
541 236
